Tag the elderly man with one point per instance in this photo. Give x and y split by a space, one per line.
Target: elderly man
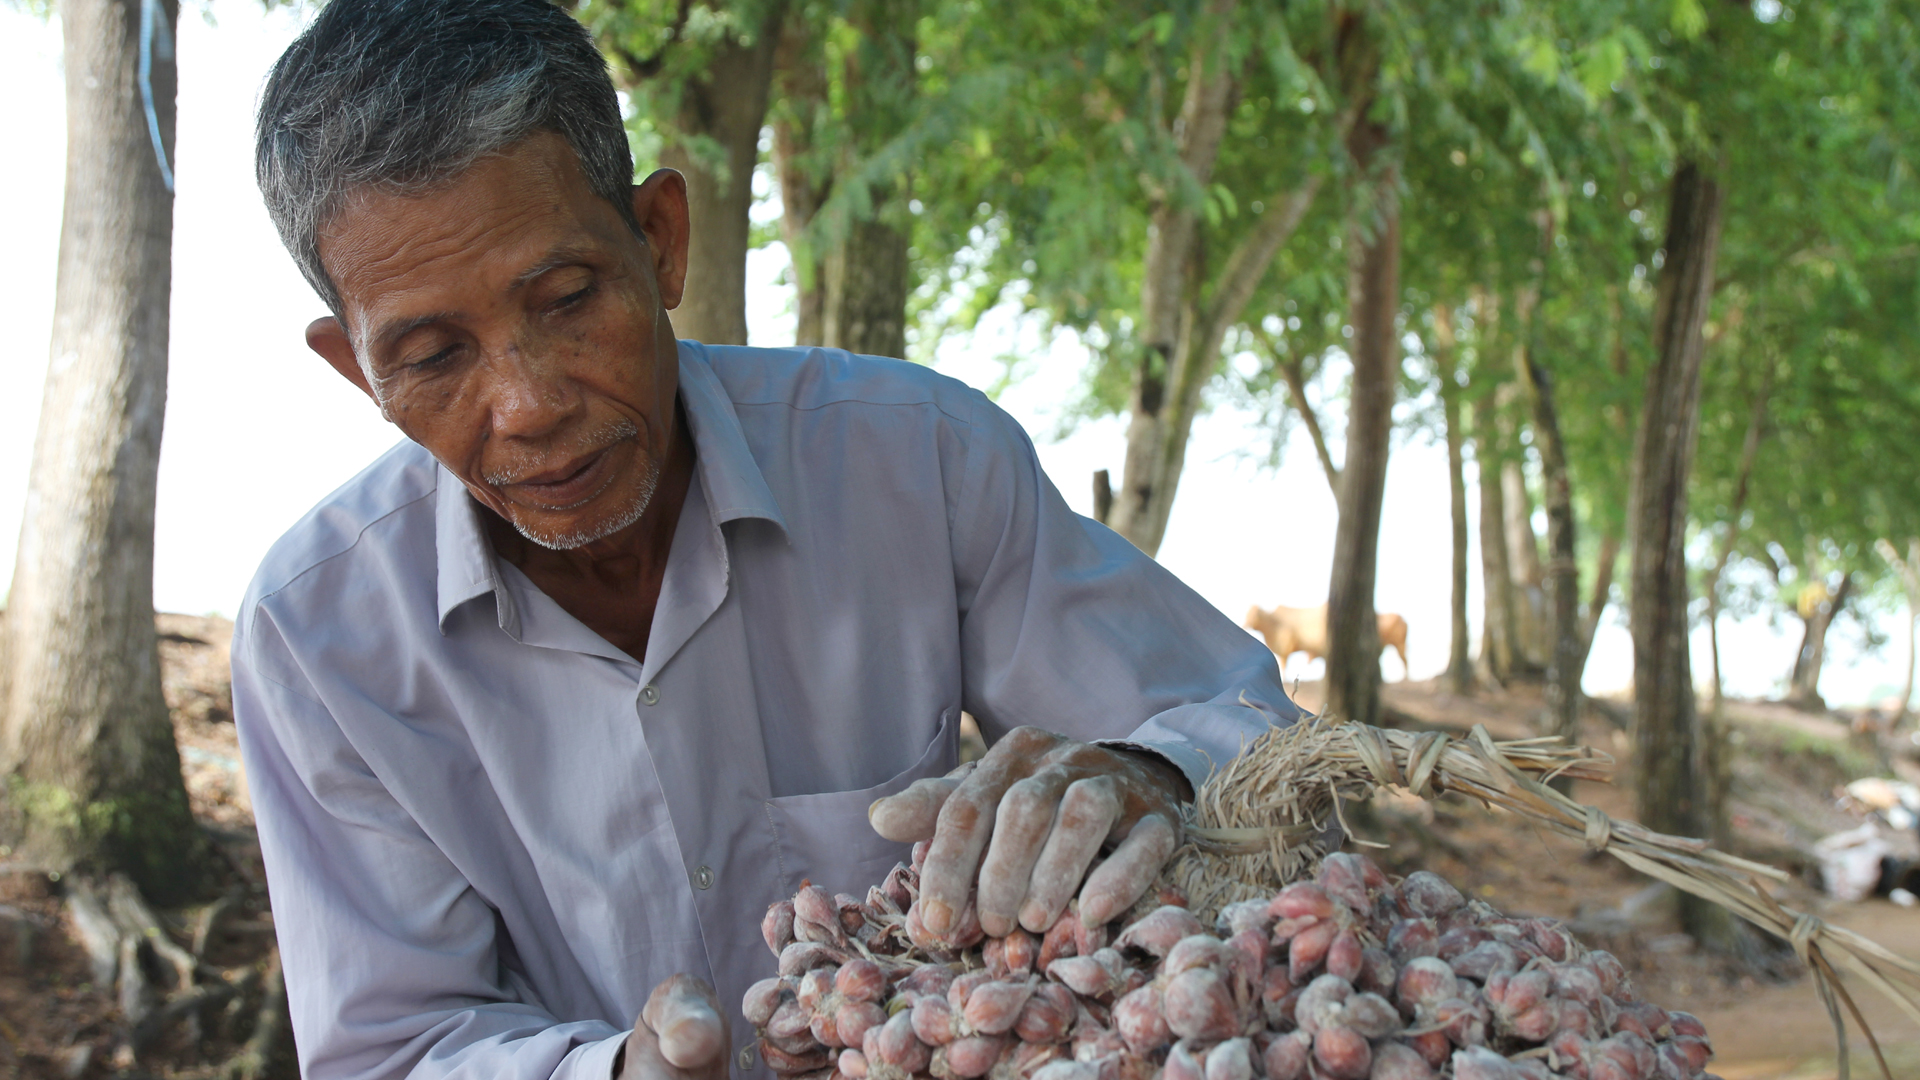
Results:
545 707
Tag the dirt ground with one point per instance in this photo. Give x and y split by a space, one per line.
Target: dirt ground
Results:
1766 1025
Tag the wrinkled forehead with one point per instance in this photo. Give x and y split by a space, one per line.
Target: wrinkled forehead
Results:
486 225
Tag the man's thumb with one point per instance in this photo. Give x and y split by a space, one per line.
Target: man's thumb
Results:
685 1018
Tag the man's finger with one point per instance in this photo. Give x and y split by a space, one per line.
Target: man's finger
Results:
909 817
1021 824
1088 811
966 824
1129 871
684 1015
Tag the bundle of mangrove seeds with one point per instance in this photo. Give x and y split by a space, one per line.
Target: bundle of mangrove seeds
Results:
1348 976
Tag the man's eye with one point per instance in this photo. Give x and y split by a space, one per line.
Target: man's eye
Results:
433 361
572 298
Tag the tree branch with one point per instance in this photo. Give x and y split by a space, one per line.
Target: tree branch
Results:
646 67
1296 377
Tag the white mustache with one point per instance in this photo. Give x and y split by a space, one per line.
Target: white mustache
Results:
534 462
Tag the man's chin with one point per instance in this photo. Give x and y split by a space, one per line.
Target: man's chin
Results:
567 535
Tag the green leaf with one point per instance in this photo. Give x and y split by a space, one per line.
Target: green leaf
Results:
1689 19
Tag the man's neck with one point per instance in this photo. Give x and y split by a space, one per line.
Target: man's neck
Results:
612 584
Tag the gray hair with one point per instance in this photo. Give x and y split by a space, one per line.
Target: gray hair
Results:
404 95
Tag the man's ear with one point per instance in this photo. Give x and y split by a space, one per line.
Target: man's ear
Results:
660 206
328 338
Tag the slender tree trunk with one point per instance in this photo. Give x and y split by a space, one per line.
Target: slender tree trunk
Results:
1497 623
1908 570
866 267
1808 662
723 107
1749 450
93 769
1668 785
1567 656
1158 414
1373 299
1459 655
800 78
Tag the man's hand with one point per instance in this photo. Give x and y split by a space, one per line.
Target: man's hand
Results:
1039 807
680 1035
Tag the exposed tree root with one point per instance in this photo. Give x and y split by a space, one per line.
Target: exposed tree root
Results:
161 984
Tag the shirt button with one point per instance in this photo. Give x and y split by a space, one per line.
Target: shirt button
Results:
746 1057
649 694
703 877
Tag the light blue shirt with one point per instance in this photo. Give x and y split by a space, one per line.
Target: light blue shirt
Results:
489 833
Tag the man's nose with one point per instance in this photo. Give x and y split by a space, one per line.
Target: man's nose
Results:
531 395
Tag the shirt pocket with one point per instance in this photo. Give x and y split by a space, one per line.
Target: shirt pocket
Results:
826 838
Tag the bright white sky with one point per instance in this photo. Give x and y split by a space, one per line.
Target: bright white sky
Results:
258 429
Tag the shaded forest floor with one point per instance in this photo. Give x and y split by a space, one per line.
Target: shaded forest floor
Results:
55 1023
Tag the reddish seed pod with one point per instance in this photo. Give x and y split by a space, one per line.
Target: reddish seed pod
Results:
1459 941
777 926
860 979
1249 948
1411 938
1483 960
1308 949
1099 975
1199 950
1651 1021
1535 1024
1372 1015
1058 942
1524 991
1480 1063
815 985
963 985
781 1061
1426 895
1685 1023
1612 974
1342 1053
1047 1016
803 956
1021 950
969 1057
1632 1053
1576 981
1159 931
1231 1060
852 1063
1067 1069
1087 940
1425 982
995 1006
761 999
853 914
1199 1005
897 887
1343 956
1141 1021
934 1021
788 1020
1567 1052
826 1031
1572 1016
1301 899
1696 1048
1344 877
993 957
1670 1063
1434 1046
1287 929
1317 1001
1552 939
853 1019
1238 918
1464 1025
1182 1064
815 905
931 979
1286 1057
1394 1061
1091 1041
1377 971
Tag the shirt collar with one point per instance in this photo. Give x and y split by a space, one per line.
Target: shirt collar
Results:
729 476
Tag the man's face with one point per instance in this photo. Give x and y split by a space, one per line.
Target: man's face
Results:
515 326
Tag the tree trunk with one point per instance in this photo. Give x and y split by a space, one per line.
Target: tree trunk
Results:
1566 659
800 78
866 267
1459 654
1908 570
90 754
1749 450
1158 414
1668 785
1373 299
1805 688
1497 624
723 107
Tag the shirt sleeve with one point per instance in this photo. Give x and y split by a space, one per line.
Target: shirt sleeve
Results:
1067 626
394 964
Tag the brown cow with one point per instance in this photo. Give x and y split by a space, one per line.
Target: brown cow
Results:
1289 630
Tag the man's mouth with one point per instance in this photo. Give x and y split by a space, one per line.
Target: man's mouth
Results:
569 485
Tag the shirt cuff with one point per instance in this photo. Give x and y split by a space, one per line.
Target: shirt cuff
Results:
1192 762
592 1061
